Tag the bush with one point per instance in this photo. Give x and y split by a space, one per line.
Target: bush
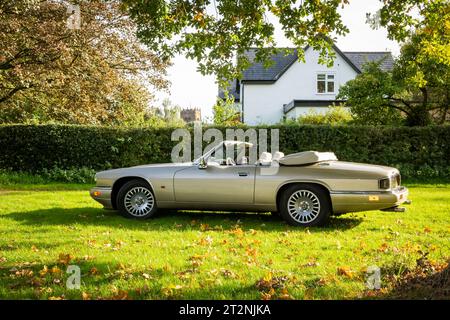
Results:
421 152
83 175
335 115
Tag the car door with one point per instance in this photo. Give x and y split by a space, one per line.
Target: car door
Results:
215 184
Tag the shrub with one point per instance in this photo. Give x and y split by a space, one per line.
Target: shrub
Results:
336 115
421 152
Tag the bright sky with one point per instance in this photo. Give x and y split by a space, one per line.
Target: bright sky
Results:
190 89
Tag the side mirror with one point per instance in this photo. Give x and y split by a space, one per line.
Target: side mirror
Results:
202 164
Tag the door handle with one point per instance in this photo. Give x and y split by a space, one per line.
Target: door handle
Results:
243 174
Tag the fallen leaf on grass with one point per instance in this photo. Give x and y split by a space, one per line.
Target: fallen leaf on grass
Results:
311 263
345 271
384 248
119 294
146 276
44 271
205 241
268 295
34 248
93 271
85 296
64 258
284 295
170 290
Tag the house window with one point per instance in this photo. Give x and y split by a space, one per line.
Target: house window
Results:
325 83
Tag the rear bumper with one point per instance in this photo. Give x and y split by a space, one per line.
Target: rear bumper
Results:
103 196
344 202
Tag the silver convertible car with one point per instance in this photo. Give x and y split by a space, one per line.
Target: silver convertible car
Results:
303 188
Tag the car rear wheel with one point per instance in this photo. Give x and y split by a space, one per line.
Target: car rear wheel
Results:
136 200
305 205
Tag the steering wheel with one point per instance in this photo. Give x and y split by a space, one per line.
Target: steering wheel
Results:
230 162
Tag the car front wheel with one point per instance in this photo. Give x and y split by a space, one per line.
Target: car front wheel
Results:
136 200
305 205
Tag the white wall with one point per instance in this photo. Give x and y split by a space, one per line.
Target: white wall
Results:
263 103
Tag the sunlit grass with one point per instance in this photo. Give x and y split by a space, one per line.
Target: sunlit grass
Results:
205 255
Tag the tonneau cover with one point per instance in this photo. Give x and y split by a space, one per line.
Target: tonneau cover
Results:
307 157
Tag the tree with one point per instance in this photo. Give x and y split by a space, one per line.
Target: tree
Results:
226 112
371 96
419 92
97 74
422 71
213 31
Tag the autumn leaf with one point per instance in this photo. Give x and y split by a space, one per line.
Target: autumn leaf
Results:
56 270
227 273
44 271
34 248
345 271
93 271
284 295
119 294
146 276
427 230
85 296
268 295
64 258
384 248
205 241
238 232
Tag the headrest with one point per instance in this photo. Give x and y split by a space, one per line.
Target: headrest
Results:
278 155
265 158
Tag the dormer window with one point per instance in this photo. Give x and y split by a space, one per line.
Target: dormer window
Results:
325 82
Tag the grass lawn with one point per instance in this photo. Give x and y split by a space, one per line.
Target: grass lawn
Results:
195 255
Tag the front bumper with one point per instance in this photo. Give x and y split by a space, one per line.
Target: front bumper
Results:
103 196
344 201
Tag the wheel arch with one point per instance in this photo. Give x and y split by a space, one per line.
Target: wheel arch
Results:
288 184
119 184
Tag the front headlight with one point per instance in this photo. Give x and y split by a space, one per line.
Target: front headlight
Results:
384 183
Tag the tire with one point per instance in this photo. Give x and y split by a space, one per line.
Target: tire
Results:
136 200
312 199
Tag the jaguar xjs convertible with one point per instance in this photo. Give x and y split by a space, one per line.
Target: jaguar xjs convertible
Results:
303 188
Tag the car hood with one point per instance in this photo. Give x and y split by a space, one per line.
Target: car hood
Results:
143 170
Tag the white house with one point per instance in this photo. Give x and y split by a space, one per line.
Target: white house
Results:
289 88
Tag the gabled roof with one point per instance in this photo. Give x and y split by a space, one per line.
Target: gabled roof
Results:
359 59
257 73
282 62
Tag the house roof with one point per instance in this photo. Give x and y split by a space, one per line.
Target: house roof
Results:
257 73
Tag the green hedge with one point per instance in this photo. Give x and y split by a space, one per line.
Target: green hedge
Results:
416 151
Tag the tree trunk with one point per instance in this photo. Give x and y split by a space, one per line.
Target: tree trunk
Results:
420 115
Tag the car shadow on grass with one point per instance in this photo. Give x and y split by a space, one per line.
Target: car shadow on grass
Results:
170 220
